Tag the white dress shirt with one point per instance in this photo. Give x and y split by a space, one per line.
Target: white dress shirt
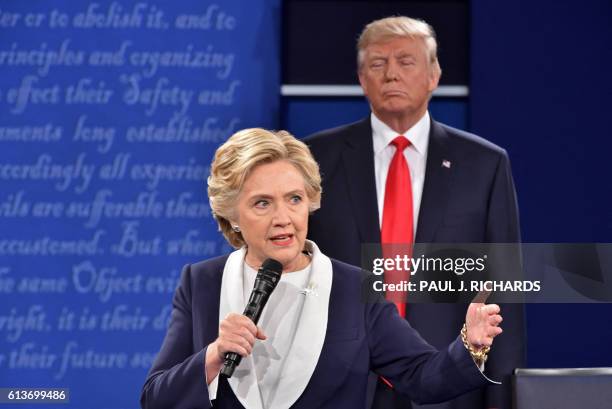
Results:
415 154
280 324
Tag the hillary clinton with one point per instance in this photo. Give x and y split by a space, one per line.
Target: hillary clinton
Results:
317 339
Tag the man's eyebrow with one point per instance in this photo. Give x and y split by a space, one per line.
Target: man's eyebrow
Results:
405 54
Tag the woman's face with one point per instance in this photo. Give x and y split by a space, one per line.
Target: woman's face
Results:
272 214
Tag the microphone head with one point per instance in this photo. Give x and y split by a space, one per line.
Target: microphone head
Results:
268 276
274 265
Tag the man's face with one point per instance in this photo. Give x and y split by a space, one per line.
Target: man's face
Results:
397 77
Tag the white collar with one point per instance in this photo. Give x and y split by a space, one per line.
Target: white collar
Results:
306 349
418 135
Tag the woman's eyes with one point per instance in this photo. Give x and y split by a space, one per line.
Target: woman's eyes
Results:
263 203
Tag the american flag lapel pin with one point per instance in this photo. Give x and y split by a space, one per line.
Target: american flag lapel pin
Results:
446 164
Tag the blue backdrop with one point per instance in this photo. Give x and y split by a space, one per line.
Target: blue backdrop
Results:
110 115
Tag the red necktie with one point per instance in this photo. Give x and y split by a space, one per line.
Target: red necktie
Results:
397 223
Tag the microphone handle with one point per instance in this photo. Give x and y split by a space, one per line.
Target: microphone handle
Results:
253 311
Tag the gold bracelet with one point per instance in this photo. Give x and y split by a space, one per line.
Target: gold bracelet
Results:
481 355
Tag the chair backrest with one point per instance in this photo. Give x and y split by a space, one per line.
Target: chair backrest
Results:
567 388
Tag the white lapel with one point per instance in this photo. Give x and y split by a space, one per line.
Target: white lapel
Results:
244 381
310 335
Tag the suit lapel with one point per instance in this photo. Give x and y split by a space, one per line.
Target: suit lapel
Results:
358 161
307 345
437 184
305 351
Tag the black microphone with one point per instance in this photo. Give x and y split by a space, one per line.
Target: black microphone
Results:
267 278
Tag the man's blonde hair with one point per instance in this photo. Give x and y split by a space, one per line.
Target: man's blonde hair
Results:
388 28
239 155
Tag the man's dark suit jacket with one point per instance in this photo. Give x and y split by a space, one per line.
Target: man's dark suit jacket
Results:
360 337
472 201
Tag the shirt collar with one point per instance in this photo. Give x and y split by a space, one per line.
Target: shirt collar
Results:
418 135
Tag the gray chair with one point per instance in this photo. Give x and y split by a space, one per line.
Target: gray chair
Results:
568 388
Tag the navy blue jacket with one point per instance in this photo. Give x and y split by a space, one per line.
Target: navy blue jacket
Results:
470 201
360 337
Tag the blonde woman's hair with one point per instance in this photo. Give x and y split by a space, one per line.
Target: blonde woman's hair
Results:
239 155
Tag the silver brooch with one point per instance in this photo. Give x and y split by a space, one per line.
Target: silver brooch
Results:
310 289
